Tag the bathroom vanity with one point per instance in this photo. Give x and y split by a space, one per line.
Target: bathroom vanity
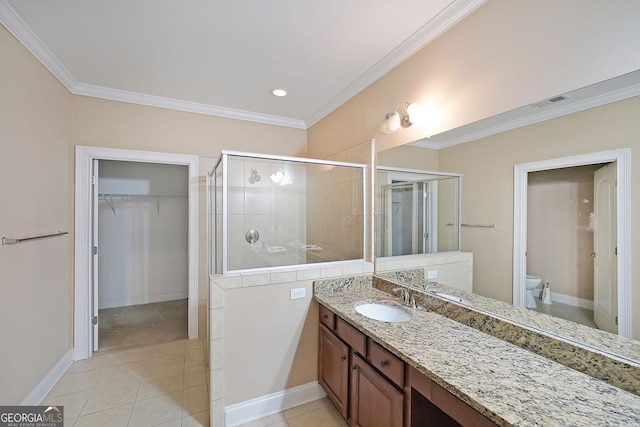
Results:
367 382
435 369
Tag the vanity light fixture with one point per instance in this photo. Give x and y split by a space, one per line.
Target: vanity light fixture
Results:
402 117
279 92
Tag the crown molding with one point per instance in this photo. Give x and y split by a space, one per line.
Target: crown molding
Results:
21 31
456 11
187 106
477 130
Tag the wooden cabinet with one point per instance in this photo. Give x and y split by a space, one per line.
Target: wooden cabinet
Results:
371 387
366 396
375 402
428 404
333 369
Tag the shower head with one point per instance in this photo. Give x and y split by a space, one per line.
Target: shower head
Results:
254 176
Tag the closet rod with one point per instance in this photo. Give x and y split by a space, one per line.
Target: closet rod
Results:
7 241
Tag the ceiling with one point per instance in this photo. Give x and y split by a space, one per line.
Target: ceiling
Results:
223 58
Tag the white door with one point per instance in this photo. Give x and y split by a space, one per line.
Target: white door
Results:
94 259
605 294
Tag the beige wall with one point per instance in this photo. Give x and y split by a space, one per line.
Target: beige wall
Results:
36 198
41 125
560 229
503 56
102 123
271 341
487 187
409 157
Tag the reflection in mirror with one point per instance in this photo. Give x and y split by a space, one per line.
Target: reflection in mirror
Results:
418 212
564 129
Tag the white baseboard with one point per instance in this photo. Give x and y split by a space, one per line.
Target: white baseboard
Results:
45 386
263 406
570 300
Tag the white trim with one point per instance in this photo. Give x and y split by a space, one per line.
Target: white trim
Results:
455 12
44 387
495 125
292 159
263 406
21 31
419 171
622 157
571 300
447 18
83 89
84 157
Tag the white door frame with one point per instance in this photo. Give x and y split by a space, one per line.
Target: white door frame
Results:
82 307
623 205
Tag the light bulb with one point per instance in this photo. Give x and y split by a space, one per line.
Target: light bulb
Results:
417 113
394 122
279 92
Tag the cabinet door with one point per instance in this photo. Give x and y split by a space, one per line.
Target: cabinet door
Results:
333 369
375 402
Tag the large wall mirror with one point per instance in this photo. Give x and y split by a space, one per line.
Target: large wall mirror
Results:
489 164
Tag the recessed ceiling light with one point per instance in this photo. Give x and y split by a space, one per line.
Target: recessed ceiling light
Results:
278 92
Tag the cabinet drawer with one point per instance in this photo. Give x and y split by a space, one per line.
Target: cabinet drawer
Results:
385 362
353 337
327 317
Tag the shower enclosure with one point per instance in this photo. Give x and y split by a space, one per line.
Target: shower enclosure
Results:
418 212
273 211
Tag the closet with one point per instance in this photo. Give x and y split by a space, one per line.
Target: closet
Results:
142 220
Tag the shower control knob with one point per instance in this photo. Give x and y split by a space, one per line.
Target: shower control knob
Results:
252 236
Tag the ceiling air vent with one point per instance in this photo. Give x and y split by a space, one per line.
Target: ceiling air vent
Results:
550 101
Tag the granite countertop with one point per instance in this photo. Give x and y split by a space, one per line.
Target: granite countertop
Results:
584 335
509 385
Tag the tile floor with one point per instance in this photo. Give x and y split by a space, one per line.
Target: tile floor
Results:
162 384
579 315
145 324
319 413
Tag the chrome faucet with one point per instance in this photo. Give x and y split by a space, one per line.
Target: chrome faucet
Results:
404 295
406 298
428 285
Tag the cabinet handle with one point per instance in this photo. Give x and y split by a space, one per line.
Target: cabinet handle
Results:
343 358
383 363
324 316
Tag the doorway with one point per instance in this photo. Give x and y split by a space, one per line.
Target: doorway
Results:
621 264
569 210
142 229
86 303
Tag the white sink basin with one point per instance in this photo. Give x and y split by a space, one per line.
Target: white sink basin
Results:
454 298
384 311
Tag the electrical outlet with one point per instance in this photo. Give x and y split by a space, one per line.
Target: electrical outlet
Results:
432 274
298 293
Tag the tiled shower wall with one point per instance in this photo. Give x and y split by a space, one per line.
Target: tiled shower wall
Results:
276 210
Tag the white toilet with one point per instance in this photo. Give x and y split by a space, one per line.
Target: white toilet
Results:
532 282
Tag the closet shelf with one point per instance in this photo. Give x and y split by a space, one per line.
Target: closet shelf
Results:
108 197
